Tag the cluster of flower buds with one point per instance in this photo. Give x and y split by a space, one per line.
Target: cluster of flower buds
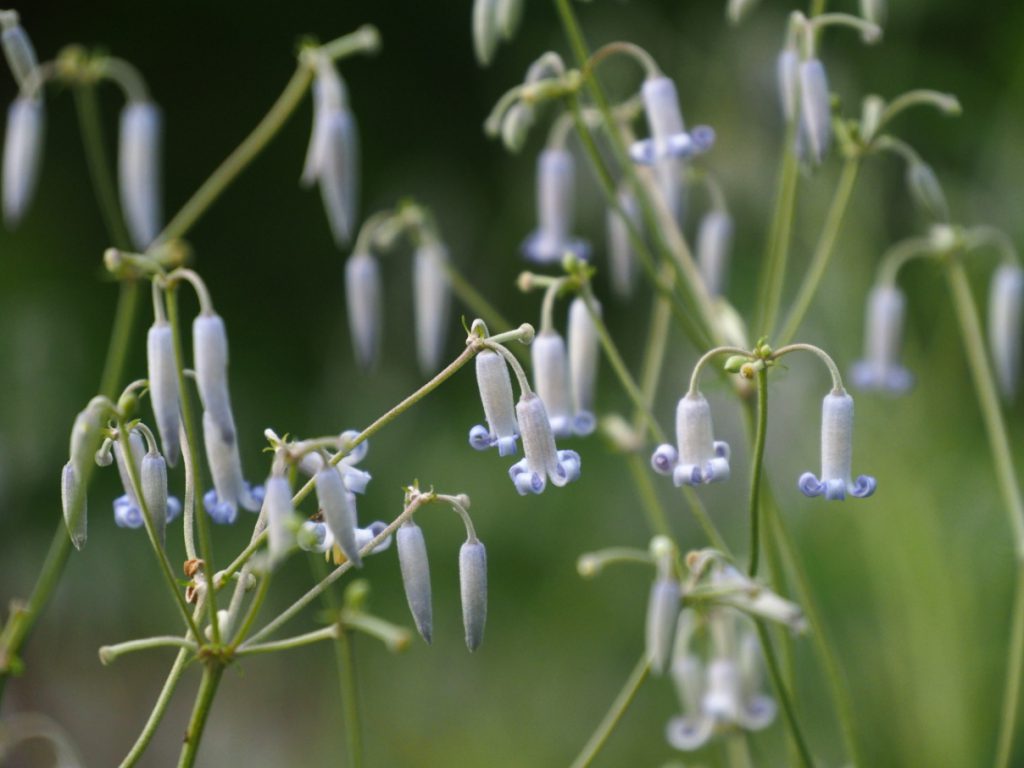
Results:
415 567
556 171
669 143
566 380
150 469
493 20
332 157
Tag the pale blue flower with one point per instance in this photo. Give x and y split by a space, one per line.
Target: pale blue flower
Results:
836 454
699 458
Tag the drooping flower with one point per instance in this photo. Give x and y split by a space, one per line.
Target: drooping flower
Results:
23 146
280 517
339 512
163 387
154 492
363 299
555 202
551 380
621 258
883 331
699 457
542 458
492 377
139 170
473 590
836 454
714 241
412 558
1005 311
815 109
18 50
584 345
787 68
431 302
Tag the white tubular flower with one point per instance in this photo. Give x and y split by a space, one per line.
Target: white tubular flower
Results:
139 170
127 509
662 615
1006 303
473 590
74 505
280 516
815 109
699 458
431 301
721 700
332 158
584 346
339 512
621 258
714 242
210 353
551 380
363 295
412 558
555 202
154 492
163 387
18 50
787 75
226 469
880 369
499 408
757 710
836 454
23 145
543 460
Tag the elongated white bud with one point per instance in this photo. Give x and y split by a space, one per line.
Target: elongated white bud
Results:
20 54
815 108
74 506
154 492
875 11
714 242
883 333
210 353
22 154
662 614
787 75
412 557
584 348
664 117
339 513
363 295
621 257
542 458
485 30
280 516
508 13
473 586
836 454
556 171
492 377
339 175
1005 308
737 10
551 380
926 191
138 449
163 387
431 301
226 470
140 170
699 458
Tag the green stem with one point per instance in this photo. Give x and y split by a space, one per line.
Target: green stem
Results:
784 696
200 712
238 160
1002 458
597 741
110 653
289 643
756 470
473 299
773 275
822 252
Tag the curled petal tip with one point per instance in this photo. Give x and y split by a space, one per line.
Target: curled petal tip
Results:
664 459
687 474
809 485
863 486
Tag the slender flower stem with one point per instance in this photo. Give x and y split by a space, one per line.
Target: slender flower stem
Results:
784 696
822 252
598 739
756 470
833 369
253 612
316 636
200 712
110 653
773 274
1002 458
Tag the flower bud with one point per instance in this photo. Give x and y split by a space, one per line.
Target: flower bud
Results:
210 354
363 295
496 395
154 492
926 191
412 558
1006 300
836 454
880 369
485 30
431 300
139 170
163 387
787 69
20 53
507 16
662 614
22 154
339 513
74 505
226 469
339 174
621 258
473 586
551 380
515 126
138 451
714 241
815 108
542 458
583 360
555 201
280 517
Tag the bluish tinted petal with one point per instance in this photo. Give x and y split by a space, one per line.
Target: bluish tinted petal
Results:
863 486
809 484
664 459
480 438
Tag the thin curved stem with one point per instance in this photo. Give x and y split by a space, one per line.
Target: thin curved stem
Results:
773 274
822 252
833 369
756 470
706 358
788 710
597 741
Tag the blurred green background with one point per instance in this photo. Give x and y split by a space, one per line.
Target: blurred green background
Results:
915 583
